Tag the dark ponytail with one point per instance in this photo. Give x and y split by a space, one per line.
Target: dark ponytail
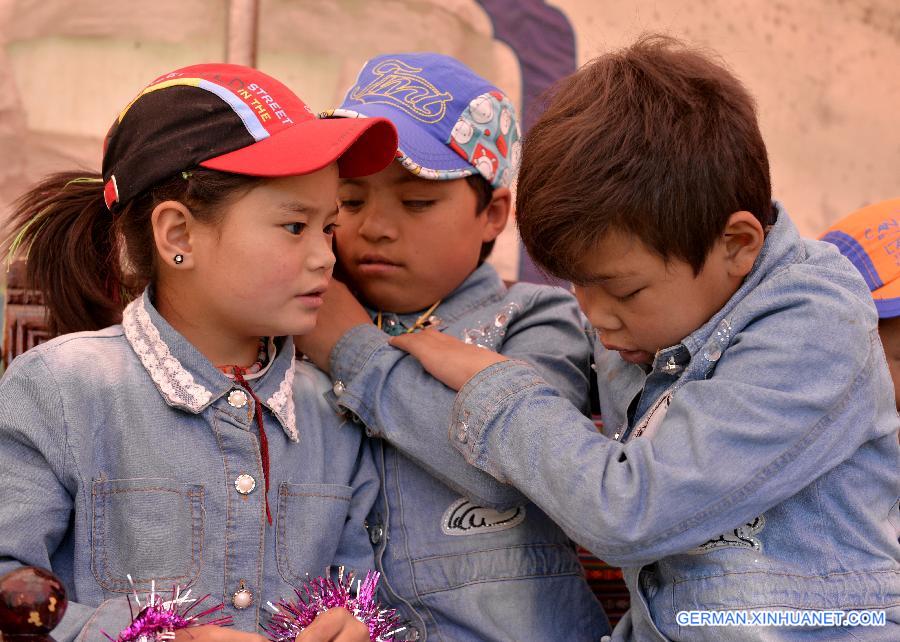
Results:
65 228
88 263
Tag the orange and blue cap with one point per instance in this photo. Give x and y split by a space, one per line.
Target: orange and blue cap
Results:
870 238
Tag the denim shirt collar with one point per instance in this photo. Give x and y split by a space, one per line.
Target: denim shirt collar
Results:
710 340
478 289
188 380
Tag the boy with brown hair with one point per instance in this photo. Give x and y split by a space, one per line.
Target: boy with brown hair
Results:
748 471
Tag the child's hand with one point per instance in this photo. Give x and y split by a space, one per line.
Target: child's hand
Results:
446 358
340 312
215 634
335 625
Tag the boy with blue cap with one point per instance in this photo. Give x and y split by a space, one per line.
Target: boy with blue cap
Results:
464 557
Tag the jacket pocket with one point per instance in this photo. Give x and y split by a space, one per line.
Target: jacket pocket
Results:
151 529
311 519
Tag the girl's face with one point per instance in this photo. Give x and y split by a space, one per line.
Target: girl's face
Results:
262 269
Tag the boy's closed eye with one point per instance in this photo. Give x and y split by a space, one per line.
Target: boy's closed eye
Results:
418 204
628 296
351 204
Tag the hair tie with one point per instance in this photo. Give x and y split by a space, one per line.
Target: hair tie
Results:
84 179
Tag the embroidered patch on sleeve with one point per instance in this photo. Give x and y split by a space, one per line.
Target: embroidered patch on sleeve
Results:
465 518
654 417
491 334
740 537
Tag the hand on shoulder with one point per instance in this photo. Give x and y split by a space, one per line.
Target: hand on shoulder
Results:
446 358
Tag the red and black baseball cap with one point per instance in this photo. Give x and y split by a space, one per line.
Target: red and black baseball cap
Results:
232 119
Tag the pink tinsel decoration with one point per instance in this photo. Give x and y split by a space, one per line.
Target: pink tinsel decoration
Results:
317 596
158 619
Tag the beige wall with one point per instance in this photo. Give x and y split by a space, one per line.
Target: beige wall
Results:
825 73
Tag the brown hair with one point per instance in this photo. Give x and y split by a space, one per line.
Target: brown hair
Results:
88 263
655 140
484 192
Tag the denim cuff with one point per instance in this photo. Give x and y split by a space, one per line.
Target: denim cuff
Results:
479 405
347 359
350 353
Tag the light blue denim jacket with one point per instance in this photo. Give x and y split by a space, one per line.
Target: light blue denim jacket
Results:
119 452
759 471
465 557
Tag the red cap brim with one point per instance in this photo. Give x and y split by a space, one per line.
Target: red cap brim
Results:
360 147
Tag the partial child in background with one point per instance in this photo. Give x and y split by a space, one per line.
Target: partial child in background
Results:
464 557
870 238
172 448
749 463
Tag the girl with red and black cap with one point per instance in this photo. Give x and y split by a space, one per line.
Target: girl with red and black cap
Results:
173 440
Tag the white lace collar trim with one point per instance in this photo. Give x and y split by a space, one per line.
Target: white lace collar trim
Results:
282 402
176 384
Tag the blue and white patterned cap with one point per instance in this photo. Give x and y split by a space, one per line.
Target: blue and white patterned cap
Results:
451 122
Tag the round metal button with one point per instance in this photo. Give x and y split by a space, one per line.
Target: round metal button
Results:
462 431
237 398
376 533
338 388
244 484
242 599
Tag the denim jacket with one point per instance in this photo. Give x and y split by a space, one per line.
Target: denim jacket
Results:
121 451
463 556
759 469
